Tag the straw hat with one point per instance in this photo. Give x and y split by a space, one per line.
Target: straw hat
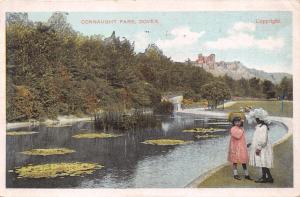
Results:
233 115
259 113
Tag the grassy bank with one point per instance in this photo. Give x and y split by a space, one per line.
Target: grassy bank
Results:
282 171
273 107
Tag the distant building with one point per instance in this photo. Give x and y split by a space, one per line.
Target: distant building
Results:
207 60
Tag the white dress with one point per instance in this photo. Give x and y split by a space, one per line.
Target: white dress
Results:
261 141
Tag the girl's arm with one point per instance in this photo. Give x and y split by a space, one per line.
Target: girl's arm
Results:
262 137
236 132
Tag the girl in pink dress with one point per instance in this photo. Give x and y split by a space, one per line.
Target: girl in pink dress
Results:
238 153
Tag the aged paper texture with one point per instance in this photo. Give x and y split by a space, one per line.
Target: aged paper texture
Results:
149 98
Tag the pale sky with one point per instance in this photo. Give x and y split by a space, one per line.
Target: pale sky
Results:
239 36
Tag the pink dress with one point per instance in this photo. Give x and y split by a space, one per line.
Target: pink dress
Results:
237 147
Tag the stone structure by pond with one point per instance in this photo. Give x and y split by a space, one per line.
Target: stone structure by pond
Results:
175 99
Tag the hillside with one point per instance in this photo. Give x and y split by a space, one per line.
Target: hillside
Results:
236 69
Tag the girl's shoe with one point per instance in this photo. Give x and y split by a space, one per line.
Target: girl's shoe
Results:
248 178
270 180
237 177
261 180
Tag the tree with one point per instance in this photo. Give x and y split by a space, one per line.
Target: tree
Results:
58 22
243 87
286 88
215 92
268 89
17 18
255 87
231 83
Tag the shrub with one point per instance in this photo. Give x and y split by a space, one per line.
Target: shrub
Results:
164 107
117 120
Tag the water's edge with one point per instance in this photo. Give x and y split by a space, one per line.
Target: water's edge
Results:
286 122
62 120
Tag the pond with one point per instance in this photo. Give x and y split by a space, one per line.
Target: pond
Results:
127 162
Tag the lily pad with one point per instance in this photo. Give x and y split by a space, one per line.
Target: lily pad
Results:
164 142
207 136
50 151
95 135
57 170
219 123
84 129
16 133
203 130
59 126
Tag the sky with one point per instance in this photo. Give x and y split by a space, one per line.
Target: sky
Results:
260 40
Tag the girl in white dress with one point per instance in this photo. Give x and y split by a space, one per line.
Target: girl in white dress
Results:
261 152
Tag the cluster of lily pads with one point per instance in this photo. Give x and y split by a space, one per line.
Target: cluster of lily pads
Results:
166 142
95 135
48 151
51 170
16 133
61 170
58 125
204 133
203 130
206 136
200 133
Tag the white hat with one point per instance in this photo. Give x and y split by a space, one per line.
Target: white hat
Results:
260 114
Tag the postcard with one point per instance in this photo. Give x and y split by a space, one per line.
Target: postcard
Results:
148 98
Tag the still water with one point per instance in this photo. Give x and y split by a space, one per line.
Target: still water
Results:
128 163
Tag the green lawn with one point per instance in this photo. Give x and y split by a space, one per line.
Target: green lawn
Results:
273 107
282 171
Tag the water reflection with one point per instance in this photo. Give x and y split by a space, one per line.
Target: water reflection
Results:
128 163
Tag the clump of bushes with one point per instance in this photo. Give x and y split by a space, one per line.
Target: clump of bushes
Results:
118 120
164 107
190 103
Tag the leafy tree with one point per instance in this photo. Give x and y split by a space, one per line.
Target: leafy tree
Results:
231 83
17 18
243 87
255 87
268 89
215 92
58 22
286 88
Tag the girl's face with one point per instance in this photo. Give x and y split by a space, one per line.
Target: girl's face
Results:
237 123
257 120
